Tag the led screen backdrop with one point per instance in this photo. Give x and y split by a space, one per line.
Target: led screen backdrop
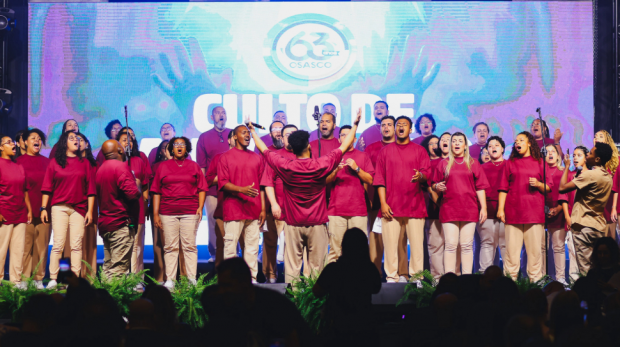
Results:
463 62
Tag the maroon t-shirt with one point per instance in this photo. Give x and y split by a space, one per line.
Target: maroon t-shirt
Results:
71 185
432 209
142 171
100 158
34 166
267 140
571 195
370 136
554 198
315 136
524 204
210 177
271 179
117 195
460 201
304 186
373 152
179 187
153 156
474 151
53 151
394 170
211 143
418 140
13 186
348 197
326 147
547 141
494 173
241 168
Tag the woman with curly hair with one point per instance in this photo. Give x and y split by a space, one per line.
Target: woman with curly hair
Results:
425 126
611 166
521 205
70 181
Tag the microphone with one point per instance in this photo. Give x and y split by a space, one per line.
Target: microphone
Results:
579 169
317 114
256 125
538 109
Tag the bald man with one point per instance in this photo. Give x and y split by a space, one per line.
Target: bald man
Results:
118 194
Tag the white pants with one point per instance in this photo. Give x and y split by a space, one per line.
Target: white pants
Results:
459 233
436 245
491 236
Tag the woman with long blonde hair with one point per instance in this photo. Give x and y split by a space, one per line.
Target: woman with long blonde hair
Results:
461 182
611 166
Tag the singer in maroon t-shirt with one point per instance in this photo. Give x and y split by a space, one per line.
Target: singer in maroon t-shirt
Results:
328 141
481 134
304 184
327 108
425 126
373 133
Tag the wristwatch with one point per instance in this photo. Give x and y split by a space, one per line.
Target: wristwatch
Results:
43 208
358 169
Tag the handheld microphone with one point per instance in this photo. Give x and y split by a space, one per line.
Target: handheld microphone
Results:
317 114
256 125
538 109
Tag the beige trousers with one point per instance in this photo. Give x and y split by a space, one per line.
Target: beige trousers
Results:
436 244
392 231
516 236
249 228
315 240
459 233
210 206
64 217
573 269
89 251
336 228
584 239
117 247
137 254
35 249
180 230
270 246
555 239
12 238
492 235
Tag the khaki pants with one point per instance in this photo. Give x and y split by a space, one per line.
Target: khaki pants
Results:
117 249
492 235
210 206
89 251
584 239
516 236
35 249
270 246
555 240
336 228
375 242
436 244
315 240
459 234
394 231
159 266
180 230
137 254
12 238
233 230
64 217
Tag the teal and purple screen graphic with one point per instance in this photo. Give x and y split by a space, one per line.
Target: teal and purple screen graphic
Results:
463 62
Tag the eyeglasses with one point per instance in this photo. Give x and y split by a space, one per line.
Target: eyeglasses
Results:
9 142
79 139
426 123
178 145
166 128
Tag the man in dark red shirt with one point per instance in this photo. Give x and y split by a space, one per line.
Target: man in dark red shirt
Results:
327 108
280 118
239 172
117 191
305 205
402 168
209 144
328 141
373 133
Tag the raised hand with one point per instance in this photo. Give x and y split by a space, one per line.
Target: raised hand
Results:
557 135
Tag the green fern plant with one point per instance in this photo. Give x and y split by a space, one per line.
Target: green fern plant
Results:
186 297
421 296
524 284
121 288
12 299
310 306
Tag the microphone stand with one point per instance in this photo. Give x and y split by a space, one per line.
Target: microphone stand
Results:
317 117
543 152
128 152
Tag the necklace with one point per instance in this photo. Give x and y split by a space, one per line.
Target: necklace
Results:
220 135
500 163
460 162
175 161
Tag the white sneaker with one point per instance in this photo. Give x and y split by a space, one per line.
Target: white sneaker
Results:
260 257
402 279
390 281
192 282
273 280
160 283
39 285
52 284
21 285
211 260
169 285
280 259
254 281
139 287
418 283
563 281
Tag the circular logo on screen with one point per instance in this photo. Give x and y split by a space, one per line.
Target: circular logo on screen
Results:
309 47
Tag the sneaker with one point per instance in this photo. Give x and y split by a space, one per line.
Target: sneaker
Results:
160 283
390 281
52 284
403 279
139 287
563 281
192 282
21 285
39 285
260 257
211 260
254 281
280 259
169 285
418 283
273 280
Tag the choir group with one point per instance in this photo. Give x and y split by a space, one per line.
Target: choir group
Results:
455 205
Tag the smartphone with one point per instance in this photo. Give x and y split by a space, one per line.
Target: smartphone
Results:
64 269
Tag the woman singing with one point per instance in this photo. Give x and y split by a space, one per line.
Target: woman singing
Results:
432 226
484 156
541 134
444 145
69 125
521 206
611 166
15 210
89 242
460 181
179 191
425 126
70 181
111 131
37 232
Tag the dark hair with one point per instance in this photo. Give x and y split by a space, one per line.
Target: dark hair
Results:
173 129
584 149
445 133
188 145
108 128
299 141
480 123
64 125
88 151
404 117
545 128
26 134
239 269
604 152
328 104
231 134
534 149
480 155
135 152
333 117
289 126
498 139
355 247
19 134
278 111
388 117
427 141
382 102
417 122
344 127
612 246
61 150
159 157
271 125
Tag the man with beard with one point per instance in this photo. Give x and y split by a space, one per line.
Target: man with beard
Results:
328 141
304 199
239 173
274 131
166 132
373 133
327 108
274 189
402 169
481 134
211 143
